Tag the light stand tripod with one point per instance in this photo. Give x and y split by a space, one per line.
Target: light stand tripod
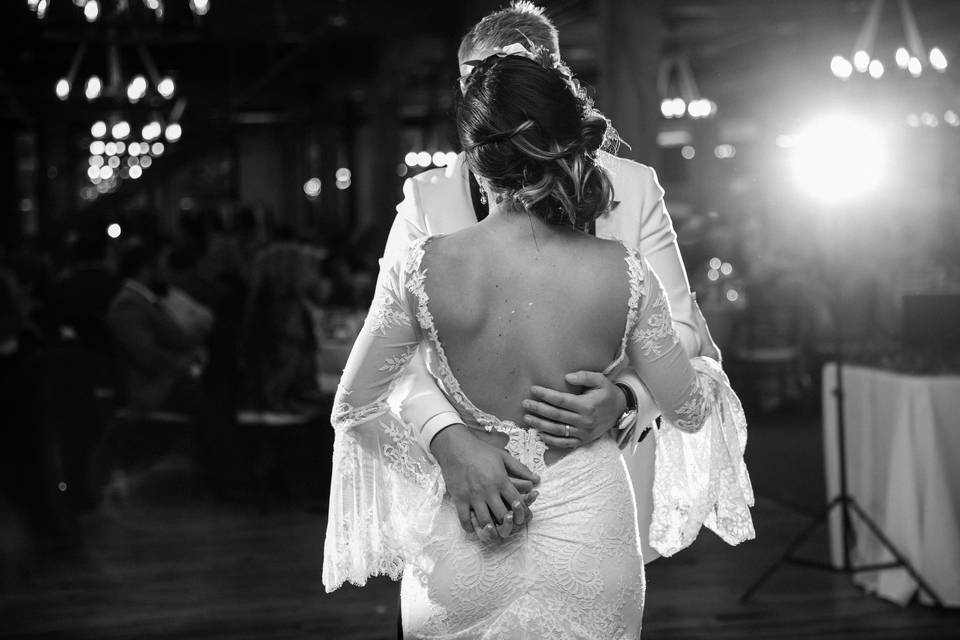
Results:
847 505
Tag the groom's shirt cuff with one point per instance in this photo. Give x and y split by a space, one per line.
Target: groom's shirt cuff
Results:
435 425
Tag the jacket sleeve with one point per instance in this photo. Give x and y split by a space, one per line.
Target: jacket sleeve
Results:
658 244
422 404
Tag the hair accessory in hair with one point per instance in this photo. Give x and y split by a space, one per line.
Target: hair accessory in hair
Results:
540 55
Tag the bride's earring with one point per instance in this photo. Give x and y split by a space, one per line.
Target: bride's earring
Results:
483 196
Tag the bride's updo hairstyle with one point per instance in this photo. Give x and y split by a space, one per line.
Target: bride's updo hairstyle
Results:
530 132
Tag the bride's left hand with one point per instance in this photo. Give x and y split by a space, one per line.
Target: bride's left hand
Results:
569 420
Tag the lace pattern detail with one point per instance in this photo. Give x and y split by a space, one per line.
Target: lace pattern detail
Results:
657 334
525 446
574 573
691 414
701 478
395 363
345 416
386 313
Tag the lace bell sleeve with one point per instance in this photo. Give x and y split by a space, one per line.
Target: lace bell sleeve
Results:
656 354
700 477
384 490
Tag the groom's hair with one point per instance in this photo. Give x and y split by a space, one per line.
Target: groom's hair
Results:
522 22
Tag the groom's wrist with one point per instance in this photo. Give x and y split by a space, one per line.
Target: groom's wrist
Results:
445 439
628 417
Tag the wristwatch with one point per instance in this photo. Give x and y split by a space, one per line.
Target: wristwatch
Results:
629 415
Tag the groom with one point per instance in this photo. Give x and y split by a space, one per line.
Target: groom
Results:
447 200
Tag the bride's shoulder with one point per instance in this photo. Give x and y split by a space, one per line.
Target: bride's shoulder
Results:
611 252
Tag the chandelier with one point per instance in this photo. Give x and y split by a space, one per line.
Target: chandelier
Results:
123 145
93 9
911 57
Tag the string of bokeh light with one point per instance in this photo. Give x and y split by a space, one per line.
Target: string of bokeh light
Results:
679 91
343 179
93 9
425 159
133 91
909 58
116 151
720 274
114 157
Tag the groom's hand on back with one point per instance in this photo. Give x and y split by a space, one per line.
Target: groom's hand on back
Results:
590 414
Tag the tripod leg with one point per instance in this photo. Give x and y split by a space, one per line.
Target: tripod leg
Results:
800 539
896 553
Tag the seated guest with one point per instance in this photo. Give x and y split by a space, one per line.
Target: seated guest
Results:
159 361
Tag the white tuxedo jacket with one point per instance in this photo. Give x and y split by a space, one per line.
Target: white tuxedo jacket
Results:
438 201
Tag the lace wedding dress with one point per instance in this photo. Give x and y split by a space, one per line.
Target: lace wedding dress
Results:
575 570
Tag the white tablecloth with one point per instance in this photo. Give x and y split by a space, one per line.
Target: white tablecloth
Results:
903 468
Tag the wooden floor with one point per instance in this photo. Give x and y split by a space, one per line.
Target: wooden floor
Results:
195 568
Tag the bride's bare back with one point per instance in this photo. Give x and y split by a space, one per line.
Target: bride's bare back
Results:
519 303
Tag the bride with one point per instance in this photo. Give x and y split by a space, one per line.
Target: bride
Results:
508 303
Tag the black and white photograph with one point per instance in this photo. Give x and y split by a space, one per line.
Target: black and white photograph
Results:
487 320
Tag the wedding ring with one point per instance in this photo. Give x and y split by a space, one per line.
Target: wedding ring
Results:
566 431
517 504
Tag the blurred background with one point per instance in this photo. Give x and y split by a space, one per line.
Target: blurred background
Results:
193 198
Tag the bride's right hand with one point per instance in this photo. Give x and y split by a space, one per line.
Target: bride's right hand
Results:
483 478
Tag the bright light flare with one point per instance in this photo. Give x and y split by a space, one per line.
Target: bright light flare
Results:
93 87
91 10
200 7
838 157
701 108
63 88
98 129
937 60
311 188
902 57
673 108
137 89
151 131
173 132
876 69
166 87
914 67
121 130
114 230
861 60
841 67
